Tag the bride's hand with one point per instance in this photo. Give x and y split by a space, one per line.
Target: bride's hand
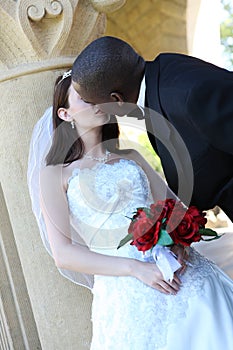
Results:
182 256
150 274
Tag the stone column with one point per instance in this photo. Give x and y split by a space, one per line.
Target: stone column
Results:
150 26
39 40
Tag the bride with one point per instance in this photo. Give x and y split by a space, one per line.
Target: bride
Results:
88 191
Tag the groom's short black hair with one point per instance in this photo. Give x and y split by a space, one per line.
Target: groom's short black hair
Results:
108 64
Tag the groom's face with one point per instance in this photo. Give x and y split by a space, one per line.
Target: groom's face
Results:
88 97
110 103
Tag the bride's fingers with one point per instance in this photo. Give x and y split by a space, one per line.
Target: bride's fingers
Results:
181 252
177 280
183 268
174 285
161 289
182 256
186 254
169 288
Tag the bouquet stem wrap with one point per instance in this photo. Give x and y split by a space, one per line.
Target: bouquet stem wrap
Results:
164 259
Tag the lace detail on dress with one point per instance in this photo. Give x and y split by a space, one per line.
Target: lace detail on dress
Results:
102 199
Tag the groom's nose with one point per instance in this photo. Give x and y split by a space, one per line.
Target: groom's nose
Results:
109 107
122 109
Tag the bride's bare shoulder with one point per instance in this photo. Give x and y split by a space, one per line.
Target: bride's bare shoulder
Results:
51 170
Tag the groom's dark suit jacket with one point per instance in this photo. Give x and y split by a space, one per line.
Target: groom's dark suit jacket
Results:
196 97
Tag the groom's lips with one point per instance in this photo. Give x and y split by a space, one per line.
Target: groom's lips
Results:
99 112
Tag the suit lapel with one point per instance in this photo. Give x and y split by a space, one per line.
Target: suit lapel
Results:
157 123
165 139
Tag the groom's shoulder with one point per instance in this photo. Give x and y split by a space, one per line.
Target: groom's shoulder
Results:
168 61
166 57
173 63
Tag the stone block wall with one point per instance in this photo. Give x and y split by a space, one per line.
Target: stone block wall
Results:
151 26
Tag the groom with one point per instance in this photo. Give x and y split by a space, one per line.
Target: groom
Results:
195 99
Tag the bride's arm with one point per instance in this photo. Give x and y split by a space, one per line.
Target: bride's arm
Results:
79 258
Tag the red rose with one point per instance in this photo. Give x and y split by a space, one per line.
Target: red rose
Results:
149 239
139 212
147 224
170 204
187 230
175 217
139 226
197 215
145 232
162 209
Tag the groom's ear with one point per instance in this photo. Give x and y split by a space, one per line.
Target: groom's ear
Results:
117 97
64 115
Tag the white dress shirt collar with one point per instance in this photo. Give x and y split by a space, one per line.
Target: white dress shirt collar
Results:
141 96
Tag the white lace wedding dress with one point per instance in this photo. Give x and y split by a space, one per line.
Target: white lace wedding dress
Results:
127 314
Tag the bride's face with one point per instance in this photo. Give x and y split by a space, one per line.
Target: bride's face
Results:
86 115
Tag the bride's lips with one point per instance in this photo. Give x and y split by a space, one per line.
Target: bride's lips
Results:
99 112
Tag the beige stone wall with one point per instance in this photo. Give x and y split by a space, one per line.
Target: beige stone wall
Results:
151 26
39 39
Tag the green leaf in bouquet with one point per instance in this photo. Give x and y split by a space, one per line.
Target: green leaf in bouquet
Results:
211 239
125 240
164 238
147 211
210 233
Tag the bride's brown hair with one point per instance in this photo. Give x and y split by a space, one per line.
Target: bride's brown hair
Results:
67 146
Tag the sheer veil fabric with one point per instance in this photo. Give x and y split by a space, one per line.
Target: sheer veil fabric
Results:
40 144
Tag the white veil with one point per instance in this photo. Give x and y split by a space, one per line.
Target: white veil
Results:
40 144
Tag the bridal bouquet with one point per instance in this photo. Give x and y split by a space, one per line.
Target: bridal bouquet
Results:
166 223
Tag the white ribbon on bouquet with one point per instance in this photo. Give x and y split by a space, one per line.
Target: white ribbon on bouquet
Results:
165 259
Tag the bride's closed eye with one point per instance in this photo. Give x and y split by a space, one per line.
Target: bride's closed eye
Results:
82 99
86 101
